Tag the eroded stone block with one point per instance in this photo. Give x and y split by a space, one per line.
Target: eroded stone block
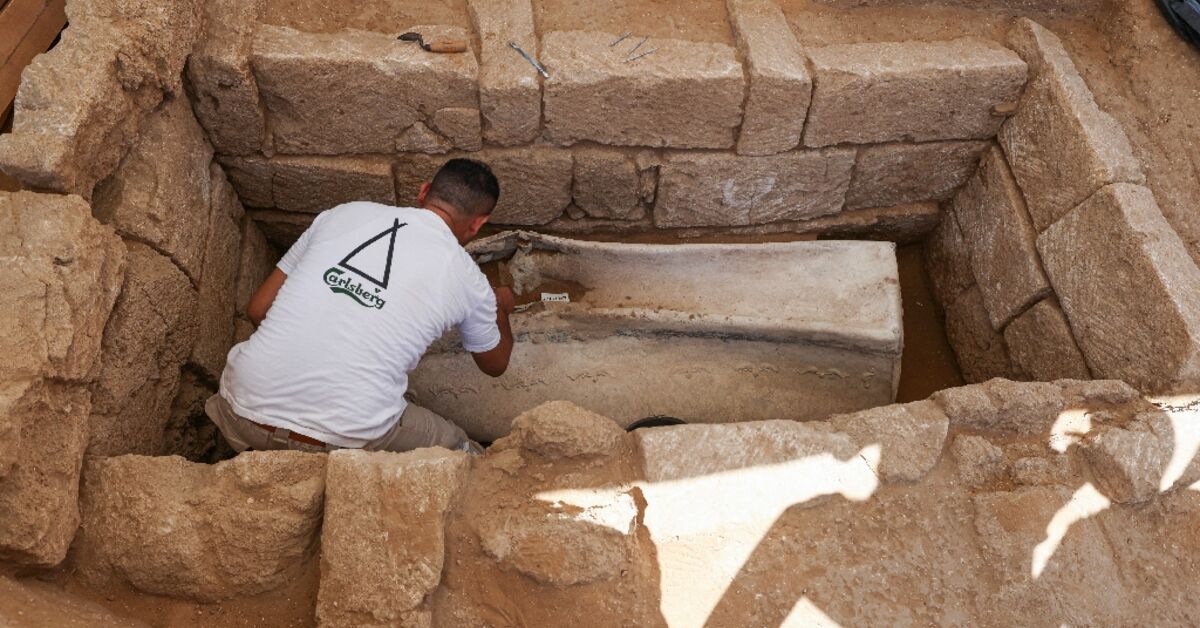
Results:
63 273
218 281
1040 344
355 92
979 462
314 184
911 435
895 174
1128 287
382 545
39 495
685 95
79 105
606 184
561 429
258 260
1061 146
161 193
910 91
510 93
149 335
1026 408
980 349
947 259
206 532
225 91
996 230
779 84
720 189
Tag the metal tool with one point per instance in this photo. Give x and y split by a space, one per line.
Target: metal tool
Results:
537 66
443 44
639 45
648 52
621 38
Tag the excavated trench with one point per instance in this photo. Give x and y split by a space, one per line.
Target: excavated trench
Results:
810 293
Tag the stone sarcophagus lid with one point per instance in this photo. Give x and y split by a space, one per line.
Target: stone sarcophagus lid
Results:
708 333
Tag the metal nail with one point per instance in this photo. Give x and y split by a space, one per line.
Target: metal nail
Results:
650 51
639 45
621 39
537 66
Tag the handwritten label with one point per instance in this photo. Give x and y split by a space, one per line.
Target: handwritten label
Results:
556 297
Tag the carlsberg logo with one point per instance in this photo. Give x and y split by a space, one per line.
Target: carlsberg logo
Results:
341 283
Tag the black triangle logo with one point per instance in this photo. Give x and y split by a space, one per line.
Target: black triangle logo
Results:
387 268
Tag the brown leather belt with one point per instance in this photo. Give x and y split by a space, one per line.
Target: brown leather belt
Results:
299 438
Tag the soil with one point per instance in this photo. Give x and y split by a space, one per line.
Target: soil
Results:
384 16
293 606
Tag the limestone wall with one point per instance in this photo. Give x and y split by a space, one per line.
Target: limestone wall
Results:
131 265
1054 260
1027 503
763 135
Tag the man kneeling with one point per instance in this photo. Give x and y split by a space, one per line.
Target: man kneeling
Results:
348 313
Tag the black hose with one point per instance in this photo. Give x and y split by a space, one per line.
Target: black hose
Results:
1170 10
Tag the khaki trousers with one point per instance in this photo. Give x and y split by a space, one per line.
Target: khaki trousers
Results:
416 429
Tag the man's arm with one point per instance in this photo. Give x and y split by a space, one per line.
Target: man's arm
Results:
495 362
261 302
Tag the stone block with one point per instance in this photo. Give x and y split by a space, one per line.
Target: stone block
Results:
947 260
355 92
257 262
606 184
383 540
281 228
39 495
63 273
910 91
980 349
1128 464
79 106
34 603
894 174
161 193
460 126
171 527
1061 146
685 95
535 181
253 179
1070 576
222 83
510 93
1128 287
1002 243
911 435
1025 408
779 83
314 184
720 189
149 335
218 280
561 429
979 462
1040 344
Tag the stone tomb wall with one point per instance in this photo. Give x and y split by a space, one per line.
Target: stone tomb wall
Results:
1054 260
129 270
763 135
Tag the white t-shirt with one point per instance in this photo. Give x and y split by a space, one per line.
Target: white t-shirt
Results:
369 287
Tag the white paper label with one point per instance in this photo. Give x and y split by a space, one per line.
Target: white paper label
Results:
556 297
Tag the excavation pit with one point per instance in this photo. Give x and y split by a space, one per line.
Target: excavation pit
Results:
171 150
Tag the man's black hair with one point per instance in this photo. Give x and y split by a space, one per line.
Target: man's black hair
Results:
467 185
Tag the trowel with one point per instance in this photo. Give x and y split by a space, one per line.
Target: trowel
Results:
441 44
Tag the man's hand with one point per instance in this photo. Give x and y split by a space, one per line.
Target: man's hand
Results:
506 301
